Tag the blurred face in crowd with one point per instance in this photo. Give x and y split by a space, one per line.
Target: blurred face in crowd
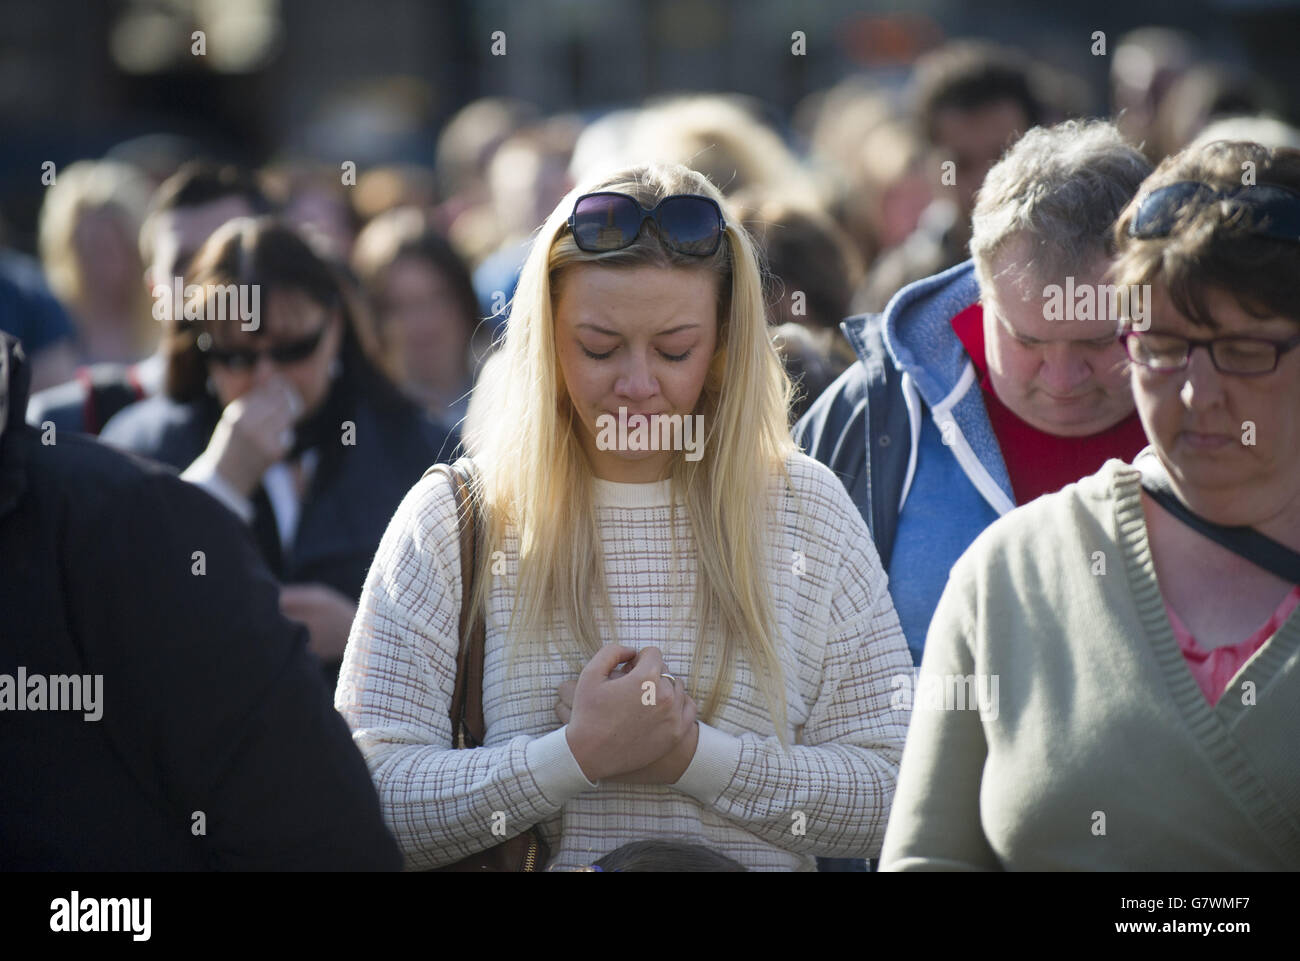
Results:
322 215
641 338
1232 442
110 272
901 205
290 317
109 264
526 185
1063 376
974 140
424 324
179 233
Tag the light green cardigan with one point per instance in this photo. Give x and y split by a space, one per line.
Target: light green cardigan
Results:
1099 751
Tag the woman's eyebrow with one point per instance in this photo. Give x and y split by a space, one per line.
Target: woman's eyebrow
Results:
1272 329
615 333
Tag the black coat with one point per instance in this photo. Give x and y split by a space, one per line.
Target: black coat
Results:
353 494
210 701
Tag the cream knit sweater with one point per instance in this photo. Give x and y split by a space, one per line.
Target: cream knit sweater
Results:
843 653
1099 751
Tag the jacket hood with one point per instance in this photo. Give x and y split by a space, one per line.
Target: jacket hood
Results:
918 330
918 336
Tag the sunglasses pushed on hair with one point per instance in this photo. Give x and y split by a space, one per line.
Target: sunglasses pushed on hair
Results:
687 223
1278 209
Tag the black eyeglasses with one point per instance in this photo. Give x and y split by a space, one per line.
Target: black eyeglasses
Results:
1278 209
1241 356
246 358
688 223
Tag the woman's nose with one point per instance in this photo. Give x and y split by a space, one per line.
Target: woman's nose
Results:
635 379
263 370
1202 383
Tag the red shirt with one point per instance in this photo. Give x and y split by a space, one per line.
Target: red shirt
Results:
1037 462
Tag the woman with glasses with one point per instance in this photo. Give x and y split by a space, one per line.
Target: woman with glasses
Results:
273 407
1140 625
688 634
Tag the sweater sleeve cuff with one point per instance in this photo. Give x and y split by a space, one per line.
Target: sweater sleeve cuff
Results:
717 756
554 767
203 474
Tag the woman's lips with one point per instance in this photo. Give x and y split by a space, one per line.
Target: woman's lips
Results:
1199 441
635 417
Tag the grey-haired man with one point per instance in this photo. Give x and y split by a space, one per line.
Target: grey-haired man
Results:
996 381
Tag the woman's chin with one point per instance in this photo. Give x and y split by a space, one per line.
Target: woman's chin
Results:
1218 489
631 467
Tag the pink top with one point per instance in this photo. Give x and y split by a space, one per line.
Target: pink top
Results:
1215 668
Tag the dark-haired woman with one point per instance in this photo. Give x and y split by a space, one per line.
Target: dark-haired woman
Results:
273 407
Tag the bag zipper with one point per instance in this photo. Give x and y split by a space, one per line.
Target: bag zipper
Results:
530 857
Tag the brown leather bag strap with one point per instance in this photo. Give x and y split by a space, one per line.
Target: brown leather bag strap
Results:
527 851
467 724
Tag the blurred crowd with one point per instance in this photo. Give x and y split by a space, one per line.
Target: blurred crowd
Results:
384 291
870 187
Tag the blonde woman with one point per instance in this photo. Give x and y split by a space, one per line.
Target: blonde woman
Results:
719 605
87 238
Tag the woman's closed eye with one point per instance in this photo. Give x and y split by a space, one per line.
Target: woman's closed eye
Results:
674 358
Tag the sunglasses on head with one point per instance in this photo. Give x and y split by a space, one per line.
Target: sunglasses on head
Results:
246 358
1278 209
688 223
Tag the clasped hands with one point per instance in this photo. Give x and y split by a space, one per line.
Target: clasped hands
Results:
616 730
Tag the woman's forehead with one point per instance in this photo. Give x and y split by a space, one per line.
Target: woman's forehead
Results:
622 303
1226 311
288 307
284 314
636 287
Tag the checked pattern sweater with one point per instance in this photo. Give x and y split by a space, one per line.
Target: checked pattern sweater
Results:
827 794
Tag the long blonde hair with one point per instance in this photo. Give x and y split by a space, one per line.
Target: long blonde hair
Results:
534 474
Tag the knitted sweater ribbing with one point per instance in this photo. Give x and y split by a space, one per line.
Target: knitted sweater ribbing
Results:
1100 752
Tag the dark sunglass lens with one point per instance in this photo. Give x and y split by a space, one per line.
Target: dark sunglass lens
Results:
605 222
234 359
690 224
1275 212
1161 209
297 351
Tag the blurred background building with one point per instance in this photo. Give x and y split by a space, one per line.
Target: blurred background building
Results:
374 82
